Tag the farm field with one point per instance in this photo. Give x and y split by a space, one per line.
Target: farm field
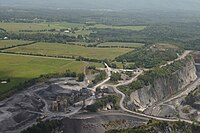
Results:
9 43
75 29
38 27
16 27
56 49
20 68
135 28
81 43
121 44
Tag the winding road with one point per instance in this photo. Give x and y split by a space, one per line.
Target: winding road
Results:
145 115
50 115
179 58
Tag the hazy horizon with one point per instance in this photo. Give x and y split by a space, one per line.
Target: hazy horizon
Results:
106 4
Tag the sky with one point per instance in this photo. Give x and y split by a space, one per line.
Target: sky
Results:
107 4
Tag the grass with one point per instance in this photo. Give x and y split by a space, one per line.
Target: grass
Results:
21 68
134 28
119 65
121 44
98 65
81 43
82 28
68 25
56 49
16 27
9 43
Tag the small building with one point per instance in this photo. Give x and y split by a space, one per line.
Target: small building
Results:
4 82
66 31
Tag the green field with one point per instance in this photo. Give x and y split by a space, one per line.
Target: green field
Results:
16 27
68 25
9 43
56 49
21 68
38 27
135 28
35 27
80 43
121 44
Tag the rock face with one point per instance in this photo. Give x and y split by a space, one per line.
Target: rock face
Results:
164 87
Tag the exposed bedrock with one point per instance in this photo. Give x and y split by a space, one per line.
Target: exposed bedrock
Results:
165 87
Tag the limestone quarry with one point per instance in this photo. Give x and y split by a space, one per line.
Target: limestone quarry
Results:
167 97
165 87
65 99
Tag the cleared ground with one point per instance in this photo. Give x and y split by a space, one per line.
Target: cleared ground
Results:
20 68
121 44
9 43
56 49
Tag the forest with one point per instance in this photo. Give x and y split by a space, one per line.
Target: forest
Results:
161 126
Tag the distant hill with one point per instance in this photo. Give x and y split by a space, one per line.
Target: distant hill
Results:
107 4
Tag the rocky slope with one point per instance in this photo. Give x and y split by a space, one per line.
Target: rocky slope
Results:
100 122
165 87
190 105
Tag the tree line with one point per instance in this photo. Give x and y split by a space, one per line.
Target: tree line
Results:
149 77
148 57
154 126
101 103
45 127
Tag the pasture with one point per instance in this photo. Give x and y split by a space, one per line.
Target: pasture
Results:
21 68
56 49
9 43
16 27
39 27
65 28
